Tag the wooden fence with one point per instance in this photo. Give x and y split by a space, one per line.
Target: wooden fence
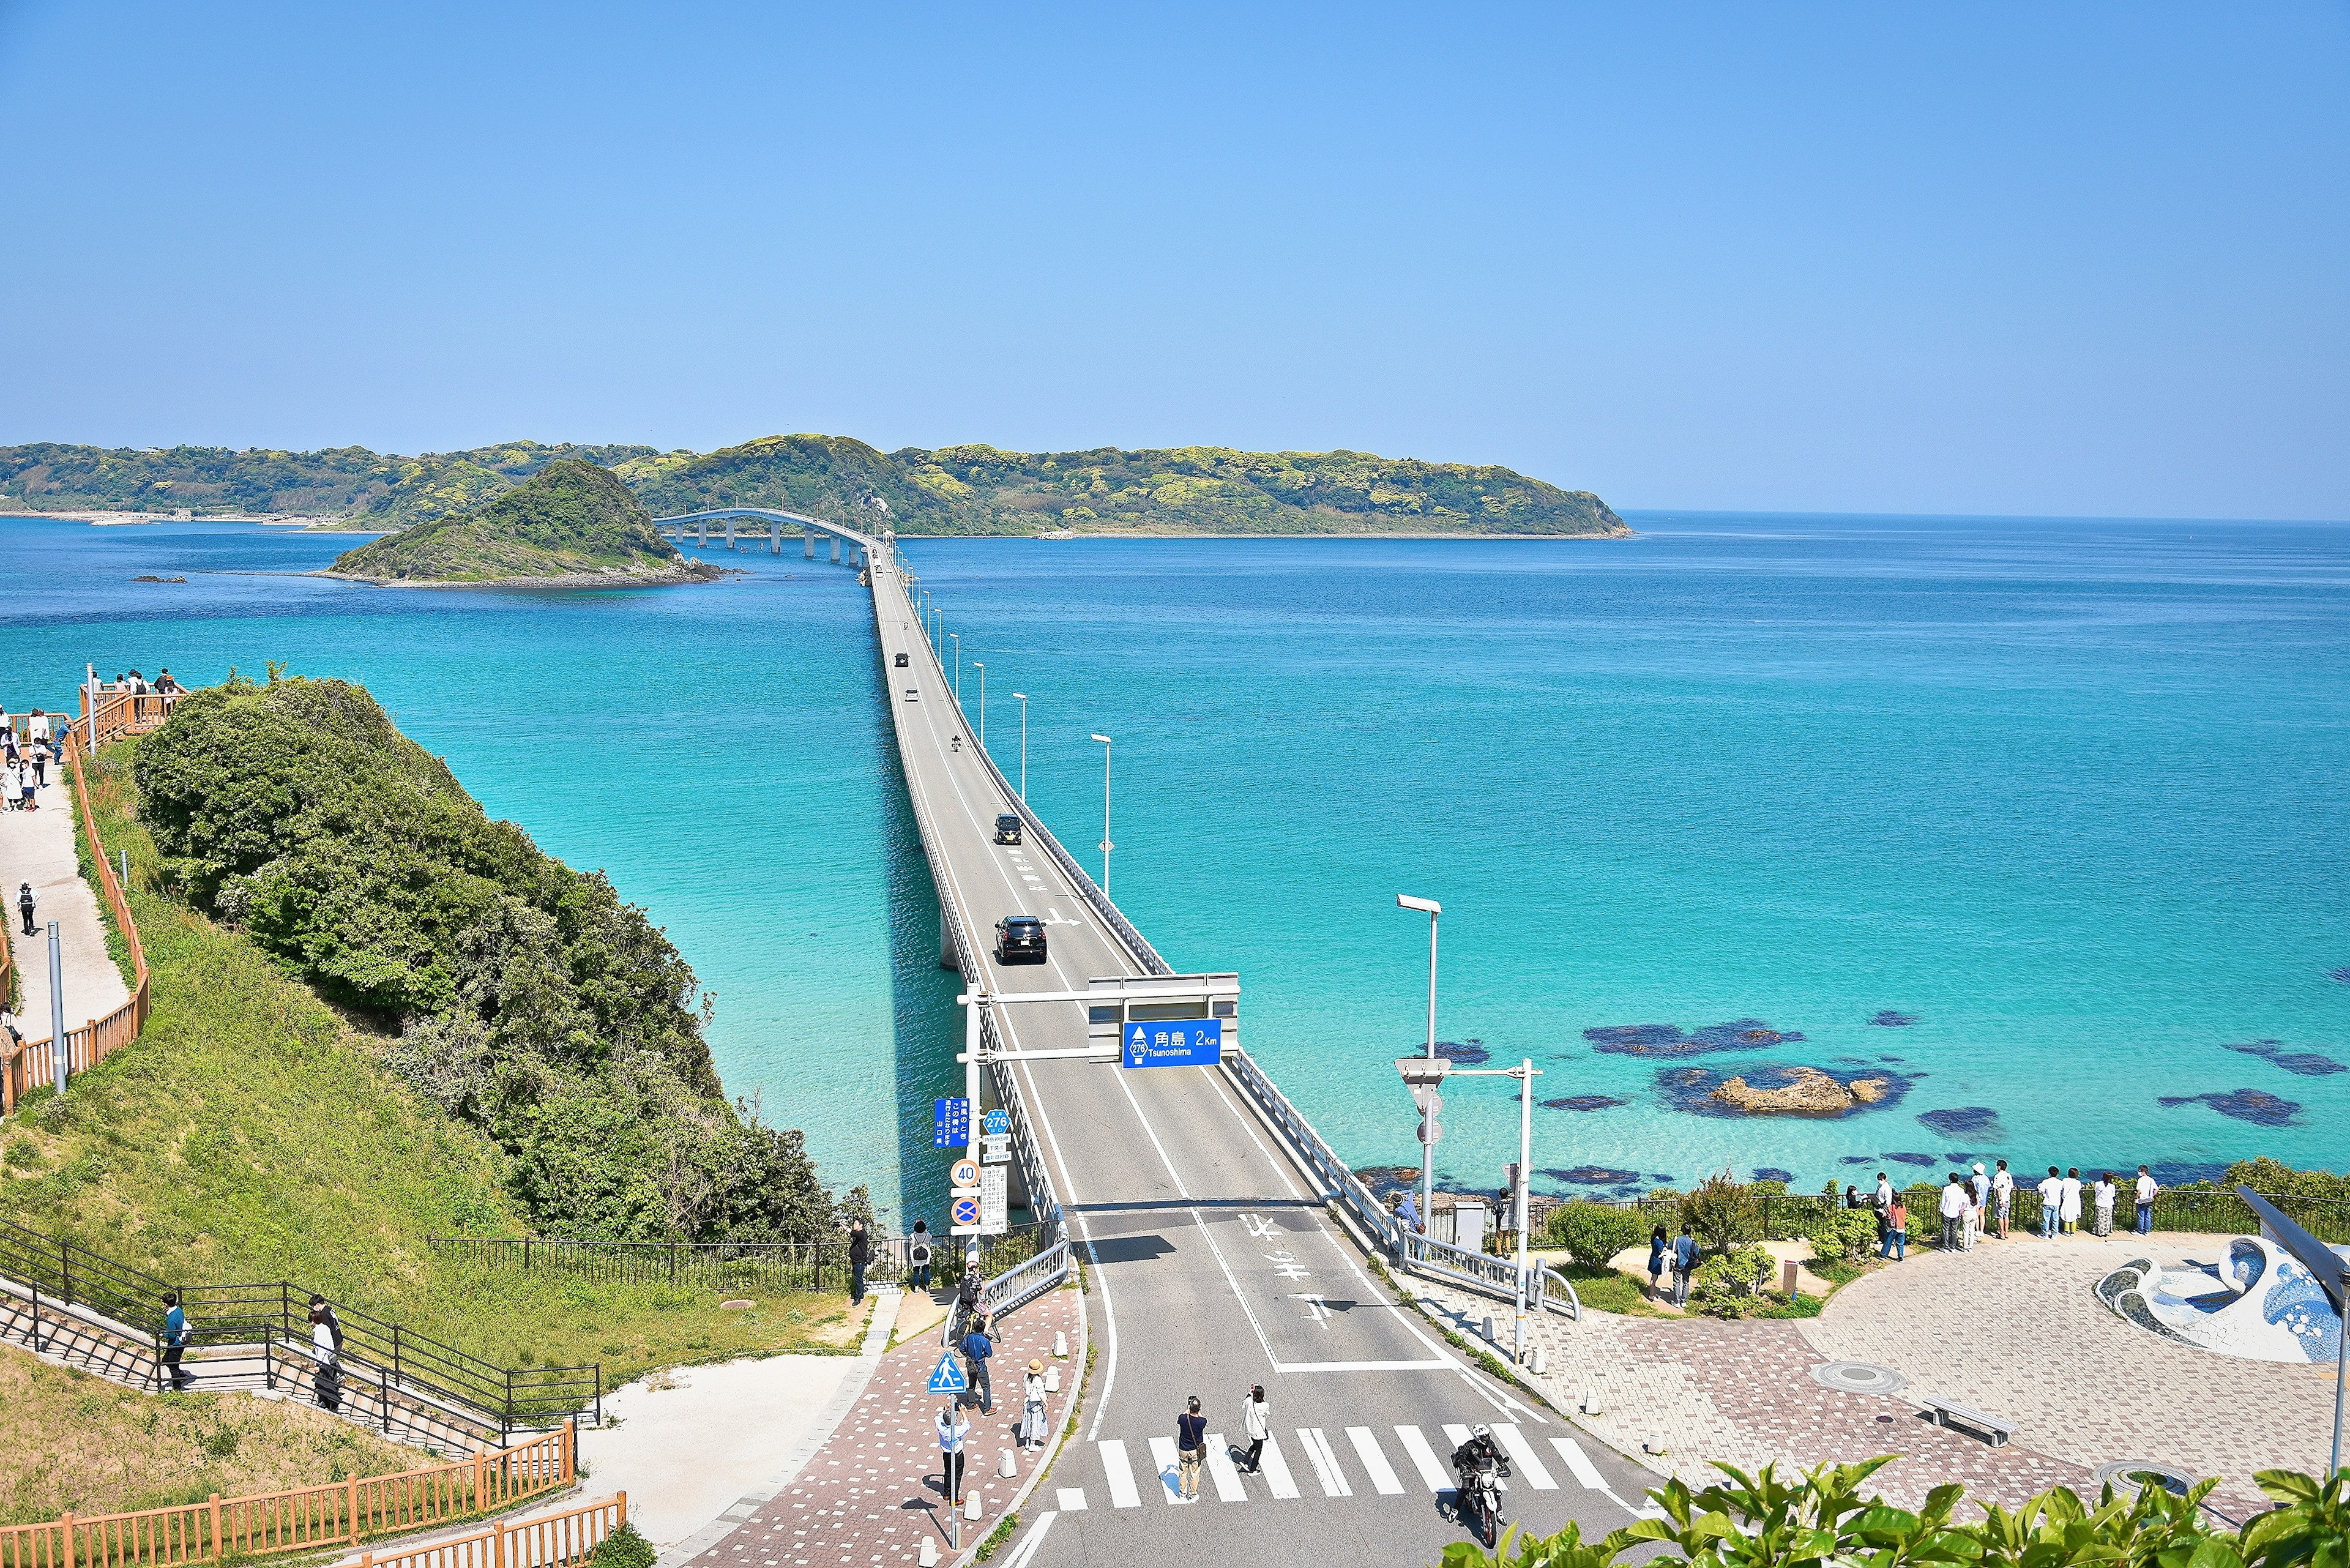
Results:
549 1541
32 1065
309 1519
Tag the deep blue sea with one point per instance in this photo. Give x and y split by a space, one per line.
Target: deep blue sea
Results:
2040 823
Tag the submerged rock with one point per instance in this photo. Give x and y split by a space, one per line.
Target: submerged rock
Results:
1670 1040
1889 1019
2307 1063
1582 1103
1969 1120
2253 1106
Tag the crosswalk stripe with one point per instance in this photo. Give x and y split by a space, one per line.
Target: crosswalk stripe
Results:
1162 1456
1456 1436
1374 1463
1277 1469
1121 1479
1530 1463
1325 1462
1424 1458
1226 1474
1072 1499
1580 1463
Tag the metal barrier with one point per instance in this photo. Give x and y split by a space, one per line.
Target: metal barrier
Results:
1339 1182
1019 1285
1558 1294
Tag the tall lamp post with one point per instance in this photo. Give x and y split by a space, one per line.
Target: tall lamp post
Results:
1427 1150
1104 746
956 637
1024 746
982 667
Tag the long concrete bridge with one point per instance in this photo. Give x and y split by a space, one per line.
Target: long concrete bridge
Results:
1225 1246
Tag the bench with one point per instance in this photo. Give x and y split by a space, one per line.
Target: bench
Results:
1946 1411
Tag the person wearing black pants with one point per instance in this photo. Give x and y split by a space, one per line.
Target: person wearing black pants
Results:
1256 1422
860 1254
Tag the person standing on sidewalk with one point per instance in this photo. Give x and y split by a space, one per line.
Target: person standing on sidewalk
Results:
176 1337
2002 1195
1684 1264
860 1254
1031 1405
2051 1203
1954 1213
1256 1425
917 1253
976 1349
1191 1448
2071 1214
1896 1230
953 1428
2105 1192
26 903
2146 1192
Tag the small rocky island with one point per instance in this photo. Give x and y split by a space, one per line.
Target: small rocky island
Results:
572 525
1805 1092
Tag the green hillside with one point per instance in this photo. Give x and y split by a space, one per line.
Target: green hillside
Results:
570 519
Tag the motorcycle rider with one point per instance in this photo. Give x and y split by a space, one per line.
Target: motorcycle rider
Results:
1470 1458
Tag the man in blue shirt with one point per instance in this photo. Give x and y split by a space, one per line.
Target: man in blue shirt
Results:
1409 1212
1684 1264
177 1336
976 1349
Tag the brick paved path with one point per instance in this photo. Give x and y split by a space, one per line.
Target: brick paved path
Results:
873 1491
2011 1328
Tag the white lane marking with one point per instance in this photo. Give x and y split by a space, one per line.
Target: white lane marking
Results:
1375 1461
1072 1499
1424 1458
1325 1462
1588 1474
1084 1232
1361 1365
1021 1558
1456 1436
1530 1463
1121 1479
1280 1167
1275 1465
1227 1475
1170 1474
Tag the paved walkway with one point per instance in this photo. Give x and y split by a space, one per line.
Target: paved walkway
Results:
37 846
872 1493
2010 1328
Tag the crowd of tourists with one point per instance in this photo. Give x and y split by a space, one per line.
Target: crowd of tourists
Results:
28 757
1972 1207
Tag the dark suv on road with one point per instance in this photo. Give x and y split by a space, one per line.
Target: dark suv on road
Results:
1007 828
901 661
1020 938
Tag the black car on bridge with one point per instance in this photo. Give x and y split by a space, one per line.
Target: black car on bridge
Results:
1007 828
901 661
1020 938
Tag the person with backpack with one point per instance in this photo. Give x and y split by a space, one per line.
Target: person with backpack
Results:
178 1335
953 1428
976 1350
1896 1244
25 904
918 1254
1256 1425
1190 1449
327 1352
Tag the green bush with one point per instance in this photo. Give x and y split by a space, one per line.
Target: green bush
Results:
1593 1234
1722 1212
1729 1283
624 1548
1761 1522
1842 1235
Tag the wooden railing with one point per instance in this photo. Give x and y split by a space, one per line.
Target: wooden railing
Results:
549 1541
122 713
32 1065
308 1518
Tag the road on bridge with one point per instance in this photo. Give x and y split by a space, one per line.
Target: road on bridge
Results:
1214 1265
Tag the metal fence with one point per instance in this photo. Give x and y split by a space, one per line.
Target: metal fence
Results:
1787 1216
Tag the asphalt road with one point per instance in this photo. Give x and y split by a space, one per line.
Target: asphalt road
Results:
1212 1267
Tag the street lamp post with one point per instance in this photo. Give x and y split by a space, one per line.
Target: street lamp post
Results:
976 664
956 637
1024 746
1427 1150
1104 844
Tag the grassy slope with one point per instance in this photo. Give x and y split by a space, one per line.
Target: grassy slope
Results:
250 1134
69 1441
571 517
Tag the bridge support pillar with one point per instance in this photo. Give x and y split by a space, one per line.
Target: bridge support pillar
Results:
775 534
706 534
730 532
946 943
809 538
835 549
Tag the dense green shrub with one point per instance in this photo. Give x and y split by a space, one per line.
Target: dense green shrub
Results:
1729 1283
1594 1233
525 997
1722 1212
1842 1235
1761 1522
624 1548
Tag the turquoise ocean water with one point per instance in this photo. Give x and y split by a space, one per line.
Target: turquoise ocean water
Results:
2068 794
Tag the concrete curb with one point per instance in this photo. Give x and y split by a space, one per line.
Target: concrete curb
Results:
852 1388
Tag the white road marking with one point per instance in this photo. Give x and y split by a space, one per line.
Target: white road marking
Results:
1072 1499
1579 1463
1424 1458
1121 1479
1456 1436
1275 1465
1021 1558
1530 1463
1374 1463
1227 1475
1325 1462
1170 1475
1361 1365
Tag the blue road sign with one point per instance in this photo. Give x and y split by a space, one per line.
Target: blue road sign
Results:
946 1376
999 1122
1173 1042
951 1122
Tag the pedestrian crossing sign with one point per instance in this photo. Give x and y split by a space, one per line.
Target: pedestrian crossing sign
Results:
946 1376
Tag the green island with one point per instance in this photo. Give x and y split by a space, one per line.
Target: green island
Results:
959 490
571 522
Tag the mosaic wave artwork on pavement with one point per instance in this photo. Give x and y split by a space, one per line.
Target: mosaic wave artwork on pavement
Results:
2254 1106
2261 1303
2307 1063
1671 1040
1889 1019
1582 1102
1827 1094
1970 1121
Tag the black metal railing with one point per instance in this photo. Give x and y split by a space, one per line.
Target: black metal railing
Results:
738 1266
276 1312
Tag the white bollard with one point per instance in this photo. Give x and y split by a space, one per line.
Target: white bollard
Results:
1052 1380
971 1505
1590 1400
1490 1337
929 1557
1060 1346
1537 1361
1007 1467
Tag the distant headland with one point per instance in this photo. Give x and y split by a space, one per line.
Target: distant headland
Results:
959 490
570 525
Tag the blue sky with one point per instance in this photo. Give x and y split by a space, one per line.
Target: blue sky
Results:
2082 259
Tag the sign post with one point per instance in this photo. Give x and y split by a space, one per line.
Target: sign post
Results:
947 1378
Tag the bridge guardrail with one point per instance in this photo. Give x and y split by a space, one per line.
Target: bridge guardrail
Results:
1341 1185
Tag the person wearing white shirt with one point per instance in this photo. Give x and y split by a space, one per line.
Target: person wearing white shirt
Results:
1884 1195
2146 1192
2105 1192
2002 1195
2071 1201
952 1429
2052 1198
1954 1213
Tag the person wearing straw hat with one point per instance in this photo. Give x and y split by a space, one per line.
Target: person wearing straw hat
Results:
1031 1405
